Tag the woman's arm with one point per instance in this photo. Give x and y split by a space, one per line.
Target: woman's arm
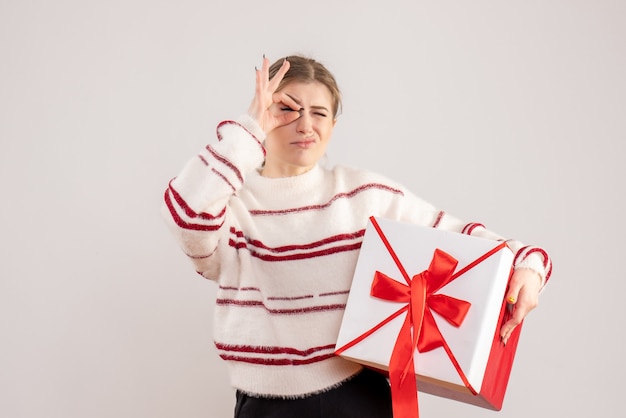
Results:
532 269
196 201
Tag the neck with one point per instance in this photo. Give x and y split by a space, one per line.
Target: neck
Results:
291 171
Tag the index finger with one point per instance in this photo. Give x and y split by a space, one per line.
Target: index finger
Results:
287 101
278 77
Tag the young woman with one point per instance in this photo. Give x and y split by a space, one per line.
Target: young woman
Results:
280 236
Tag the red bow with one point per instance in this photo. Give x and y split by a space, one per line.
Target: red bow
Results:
420 295
421 299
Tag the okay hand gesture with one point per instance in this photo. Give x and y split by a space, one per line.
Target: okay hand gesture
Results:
268 106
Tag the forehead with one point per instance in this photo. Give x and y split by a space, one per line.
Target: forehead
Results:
309 94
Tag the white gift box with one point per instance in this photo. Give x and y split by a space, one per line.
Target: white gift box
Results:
482 358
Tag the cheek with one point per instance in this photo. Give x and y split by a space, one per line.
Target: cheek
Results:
274 137
325 131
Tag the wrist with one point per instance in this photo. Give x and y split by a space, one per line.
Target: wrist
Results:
252 125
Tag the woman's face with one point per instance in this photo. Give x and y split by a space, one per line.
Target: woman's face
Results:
295 148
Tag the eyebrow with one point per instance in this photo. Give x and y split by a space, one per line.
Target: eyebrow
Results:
300 103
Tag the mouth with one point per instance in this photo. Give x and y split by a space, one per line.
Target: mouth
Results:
305 143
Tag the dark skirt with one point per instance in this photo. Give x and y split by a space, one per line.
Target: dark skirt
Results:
366 395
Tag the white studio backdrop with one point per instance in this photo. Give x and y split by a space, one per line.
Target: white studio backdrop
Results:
505 112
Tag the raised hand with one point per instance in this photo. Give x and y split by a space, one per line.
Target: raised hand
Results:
269 108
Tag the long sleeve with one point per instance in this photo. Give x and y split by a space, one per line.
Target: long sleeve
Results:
526 256
196 201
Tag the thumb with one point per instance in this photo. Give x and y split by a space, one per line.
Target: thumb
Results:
287 118
512 294
515 286
511 297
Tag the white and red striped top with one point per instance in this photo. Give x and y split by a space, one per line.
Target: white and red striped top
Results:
283 251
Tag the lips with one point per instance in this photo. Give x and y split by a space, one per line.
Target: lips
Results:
305 143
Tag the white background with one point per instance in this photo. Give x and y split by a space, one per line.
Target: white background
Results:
509 113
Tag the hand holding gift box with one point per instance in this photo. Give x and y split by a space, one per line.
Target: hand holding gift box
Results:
426 306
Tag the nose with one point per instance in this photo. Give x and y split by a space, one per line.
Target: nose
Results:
304 123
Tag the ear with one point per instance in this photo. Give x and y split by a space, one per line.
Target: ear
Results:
334 122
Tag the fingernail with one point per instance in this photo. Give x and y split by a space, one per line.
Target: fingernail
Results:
511 299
